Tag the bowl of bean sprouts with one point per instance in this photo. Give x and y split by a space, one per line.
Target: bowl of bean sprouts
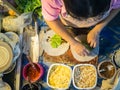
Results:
84 76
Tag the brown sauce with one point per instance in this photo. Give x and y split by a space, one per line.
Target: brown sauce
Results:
108 73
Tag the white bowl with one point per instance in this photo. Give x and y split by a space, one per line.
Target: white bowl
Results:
88 79
55 87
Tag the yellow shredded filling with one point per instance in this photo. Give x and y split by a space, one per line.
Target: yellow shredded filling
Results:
59 76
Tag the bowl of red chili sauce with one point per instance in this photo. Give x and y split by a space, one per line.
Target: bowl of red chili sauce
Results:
33 73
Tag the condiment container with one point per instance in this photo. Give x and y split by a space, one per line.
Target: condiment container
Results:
84 76
33 73
59 76
116 58
106 69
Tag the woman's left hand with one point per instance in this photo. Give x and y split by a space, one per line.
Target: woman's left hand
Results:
93 37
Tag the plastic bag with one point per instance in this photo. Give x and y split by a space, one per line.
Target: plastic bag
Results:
12 23
23 20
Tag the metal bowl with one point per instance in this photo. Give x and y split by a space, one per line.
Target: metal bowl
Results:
106 69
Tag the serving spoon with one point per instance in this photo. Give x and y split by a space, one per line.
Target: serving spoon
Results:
109 67
30 61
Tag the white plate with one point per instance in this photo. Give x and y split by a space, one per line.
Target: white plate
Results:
48 48
91 56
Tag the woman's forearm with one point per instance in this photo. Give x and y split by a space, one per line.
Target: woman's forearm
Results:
59 28
102 24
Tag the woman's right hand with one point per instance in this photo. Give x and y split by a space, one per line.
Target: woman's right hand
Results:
79 48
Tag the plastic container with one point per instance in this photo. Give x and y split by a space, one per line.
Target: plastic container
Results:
106 69
33 73
80 81
59 77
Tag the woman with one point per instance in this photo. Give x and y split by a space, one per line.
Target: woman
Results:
79 14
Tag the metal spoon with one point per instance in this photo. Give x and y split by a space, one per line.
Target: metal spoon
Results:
109 67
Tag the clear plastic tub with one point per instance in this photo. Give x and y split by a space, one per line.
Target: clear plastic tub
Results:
84 76
59 74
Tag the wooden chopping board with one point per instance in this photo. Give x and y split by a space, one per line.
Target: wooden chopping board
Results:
67 57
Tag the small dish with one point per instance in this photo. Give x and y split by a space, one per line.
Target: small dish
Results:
106 69
33 73
84 76
59 76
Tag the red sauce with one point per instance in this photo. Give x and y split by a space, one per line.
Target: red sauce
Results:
33 72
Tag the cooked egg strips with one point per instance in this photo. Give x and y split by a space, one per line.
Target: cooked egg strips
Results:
60 77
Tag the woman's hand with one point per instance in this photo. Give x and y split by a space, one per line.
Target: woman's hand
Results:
79 48
93 37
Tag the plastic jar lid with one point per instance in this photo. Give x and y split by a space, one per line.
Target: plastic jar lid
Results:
6 56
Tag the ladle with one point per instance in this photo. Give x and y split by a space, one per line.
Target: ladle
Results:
30 61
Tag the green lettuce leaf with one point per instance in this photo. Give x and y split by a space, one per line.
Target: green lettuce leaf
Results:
55 41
